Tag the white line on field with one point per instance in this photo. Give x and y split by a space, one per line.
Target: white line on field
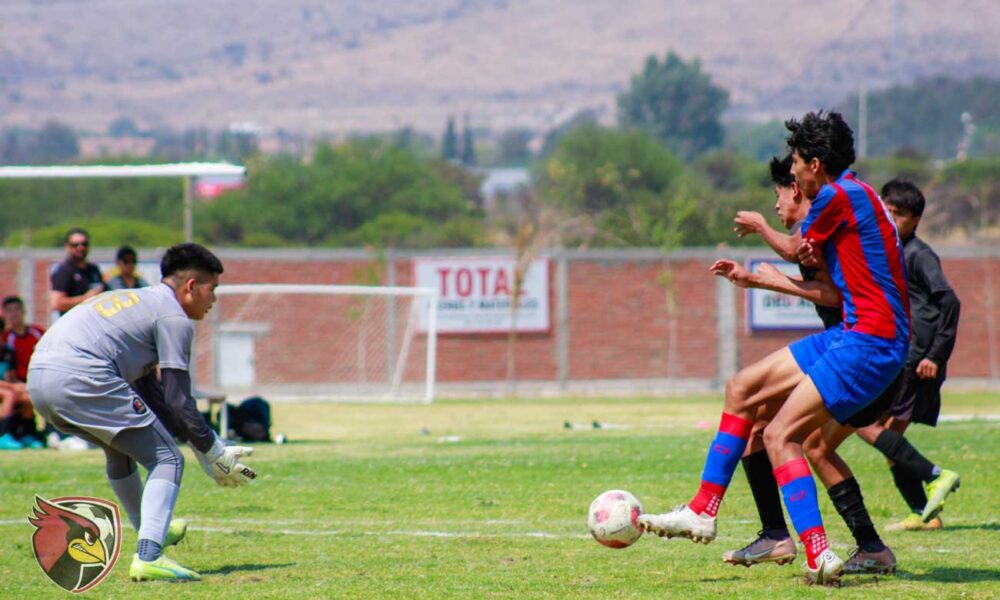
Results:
395 533
962 417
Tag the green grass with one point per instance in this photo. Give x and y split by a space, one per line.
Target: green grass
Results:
362 504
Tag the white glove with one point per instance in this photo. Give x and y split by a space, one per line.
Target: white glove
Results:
221 463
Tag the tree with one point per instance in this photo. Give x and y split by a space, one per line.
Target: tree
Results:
449 145
623 180
677 103
927 115
468 145
56 143
123 127
512 147
587 116
365 190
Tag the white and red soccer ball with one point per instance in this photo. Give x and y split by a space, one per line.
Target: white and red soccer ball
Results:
614 519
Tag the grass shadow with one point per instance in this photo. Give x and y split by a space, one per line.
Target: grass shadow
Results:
982 526
954 575
246 567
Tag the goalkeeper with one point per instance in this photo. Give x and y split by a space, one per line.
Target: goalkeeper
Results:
93 375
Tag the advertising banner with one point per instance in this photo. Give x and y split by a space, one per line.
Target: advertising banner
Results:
475 294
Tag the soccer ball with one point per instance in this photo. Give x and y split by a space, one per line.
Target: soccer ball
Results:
613 519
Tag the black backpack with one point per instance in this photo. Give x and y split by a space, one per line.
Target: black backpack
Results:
251 420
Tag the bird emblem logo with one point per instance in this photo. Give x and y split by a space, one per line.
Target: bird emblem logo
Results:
76 540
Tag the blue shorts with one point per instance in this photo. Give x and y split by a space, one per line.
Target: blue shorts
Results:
849 369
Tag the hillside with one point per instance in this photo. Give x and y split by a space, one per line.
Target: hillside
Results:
318 66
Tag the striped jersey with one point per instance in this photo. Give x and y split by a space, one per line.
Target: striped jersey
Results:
864 256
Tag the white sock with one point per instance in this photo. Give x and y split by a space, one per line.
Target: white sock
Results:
129 492
158 499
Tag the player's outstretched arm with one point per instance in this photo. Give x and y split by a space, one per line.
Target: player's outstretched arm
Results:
749 222
734 272
219 461
820 291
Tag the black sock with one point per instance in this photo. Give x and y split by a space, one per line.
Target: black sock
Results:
911 488
849 502
900 451
765 492
5 425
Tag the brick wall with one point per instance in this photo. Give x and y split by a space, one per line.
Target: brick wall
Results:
630 314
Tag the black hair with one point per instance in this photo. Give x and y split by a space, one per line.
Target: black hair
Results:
825 136
905 195
75 231
124 251
781 171
12 300
183 257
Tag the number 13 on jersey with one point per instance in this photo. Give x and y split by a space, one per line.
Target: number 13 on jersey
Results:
112 303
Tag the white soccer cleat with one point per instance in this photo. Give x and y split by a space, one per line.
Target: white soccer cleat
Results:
680 522
828 571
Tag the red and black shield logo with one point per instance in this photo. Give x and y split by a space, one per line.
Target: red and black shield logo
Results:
76 540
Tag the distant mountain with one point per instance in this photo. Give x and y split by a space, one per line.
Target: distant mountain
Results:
333 67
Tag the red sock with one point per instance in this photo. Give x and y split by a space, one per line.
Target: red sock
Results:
723 457
708 499
814 540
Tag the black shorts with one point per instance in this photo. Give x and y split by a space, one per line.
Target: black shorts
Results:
882 404
919 400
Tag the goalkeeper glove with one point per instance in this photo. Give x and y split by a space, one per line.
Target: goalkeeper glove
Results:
221 463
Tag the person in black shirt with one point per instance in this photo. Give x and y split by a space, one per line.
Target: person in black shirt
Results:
75 280
934 312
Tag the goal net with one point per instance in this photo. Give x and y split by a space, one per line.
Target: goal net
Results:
319 343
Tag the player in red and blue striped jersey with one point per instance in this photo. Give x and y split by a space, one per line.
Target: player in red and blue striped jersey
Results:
834 374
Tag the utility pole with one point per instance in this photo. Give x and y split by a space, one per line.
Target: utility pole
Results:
863 122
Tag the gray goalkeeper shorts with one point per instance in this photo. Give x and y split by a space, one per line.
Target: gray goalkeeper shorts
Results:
98 407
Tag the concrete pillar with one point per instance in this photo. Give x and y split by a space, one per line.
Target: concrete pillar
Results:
728 357
562 319
26 288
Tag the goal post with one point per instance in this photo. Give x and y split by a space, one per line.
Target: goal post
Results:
320 343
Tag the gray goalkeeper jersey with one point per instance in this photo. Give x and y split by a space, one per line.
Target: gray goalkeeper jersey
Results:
122 333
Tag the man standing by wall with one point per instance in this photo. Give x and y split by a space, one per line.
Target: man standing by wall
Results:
75 280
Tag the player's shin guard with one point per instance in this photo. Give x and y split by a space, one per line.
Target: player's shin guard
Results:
849 502
158 499
900 451
129 492
723 456
760 475
801 501
910 487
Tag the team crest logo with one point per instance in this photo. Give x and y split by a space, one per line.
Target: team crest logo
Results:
138 406
76 540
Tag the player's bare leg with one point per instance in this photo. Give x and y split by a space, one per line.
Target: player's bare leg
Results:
766 382
871 554
8 399
803 413
773 543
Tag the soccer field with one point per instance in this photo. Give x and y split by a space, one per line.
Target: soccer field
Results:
488 498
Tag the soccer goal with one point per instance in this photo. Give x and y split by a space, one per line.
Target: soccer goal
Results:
319 343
